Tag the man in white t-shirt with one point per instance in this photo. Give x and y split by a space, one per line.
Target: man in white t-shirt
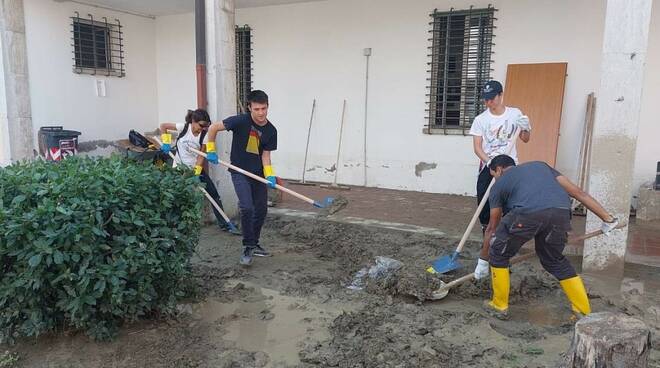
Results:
492 131
192 135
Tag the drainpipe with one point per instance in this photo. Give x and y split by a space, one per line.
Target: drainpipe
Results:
200 51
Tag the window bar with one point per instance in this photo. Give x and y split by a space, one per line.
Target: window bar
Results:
465 72
108 48
91 18
478 75
77 59
122 71
446 67
431 109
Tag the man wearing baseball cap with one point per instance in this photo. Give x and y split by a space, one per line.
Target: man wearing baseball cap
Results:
492 130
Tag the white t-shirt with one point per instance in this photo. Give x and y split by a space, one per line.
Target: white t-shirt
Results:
184 144
496 131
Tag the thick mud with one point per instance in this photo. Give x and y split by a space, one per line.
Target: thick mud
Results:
295 309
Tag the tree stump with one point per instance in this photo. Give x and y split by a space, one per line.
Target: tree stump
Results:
609 340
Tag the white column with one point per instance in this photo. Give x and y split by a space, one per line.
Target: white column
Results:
221 84
16 133
615 129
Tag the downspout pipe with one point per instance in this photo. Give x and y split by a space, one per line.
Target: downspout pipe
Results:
200 52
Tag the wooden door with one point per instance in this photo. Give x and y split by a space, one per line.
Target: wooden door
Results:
537 90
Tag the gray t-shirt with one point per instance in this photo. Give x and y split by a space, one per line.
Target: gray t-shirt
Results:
529 187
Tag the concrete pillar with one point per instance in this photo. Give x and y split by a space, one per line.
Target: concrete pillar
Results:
16 133
221 84
615 129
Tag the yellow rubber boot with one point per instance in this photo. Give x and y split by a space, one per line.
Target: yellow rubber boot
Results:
499 305
577 295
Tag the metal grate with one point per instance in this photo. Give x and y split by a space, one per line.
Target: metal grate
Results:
97 46
461 51
243 66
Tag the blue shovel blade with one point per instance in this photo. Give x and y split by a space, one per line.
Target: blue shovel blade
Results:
446 264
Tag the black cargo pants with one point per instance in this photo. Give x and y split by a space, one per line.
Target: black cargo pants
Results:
549 229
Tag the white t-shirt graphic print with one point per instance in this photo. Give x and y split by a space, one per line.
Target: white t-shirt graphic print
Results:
184 144
496 131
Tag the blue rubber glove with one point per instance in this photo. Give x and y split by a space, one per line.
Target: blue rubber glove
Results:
272 181
211 154
212 157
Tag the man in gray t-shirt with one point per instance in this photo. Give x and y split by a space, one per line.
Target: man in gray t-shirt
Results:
534 199
529 188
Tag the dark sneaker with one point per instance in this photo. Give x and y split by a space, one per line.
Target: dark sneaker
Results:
246 256
261 252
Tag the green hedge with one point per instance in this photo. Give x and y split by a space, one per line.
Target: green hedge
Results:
90 243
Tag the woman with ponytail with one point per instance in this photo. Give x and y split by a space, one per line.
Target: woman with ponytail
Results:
192 135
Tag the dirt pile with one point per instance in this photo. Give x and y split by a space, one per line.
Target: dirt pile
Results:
395 335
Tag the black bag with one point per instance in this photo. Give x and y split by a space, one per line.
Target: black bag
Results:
138 139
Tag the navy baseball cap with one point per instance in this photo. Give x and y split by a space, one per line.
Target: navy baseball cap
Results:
491 89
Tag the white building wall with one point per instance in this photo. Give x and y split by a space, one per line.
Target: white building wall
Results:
175 64
648 141
61 97
315 50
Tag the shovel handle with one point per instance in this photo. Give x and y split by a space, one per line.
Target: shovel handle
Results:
259 178
484 199
524 257
206 194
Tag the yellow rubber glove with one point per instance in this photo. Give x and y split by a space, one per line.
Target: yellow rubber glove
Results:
270 176
198 170
211 154
166 138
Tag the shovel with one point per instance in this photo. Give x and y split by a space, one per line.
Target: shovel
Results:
326 202
442 292
449 263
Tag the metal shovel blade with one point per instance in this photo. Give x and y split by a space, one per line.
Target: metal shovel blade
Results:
441 292
445 264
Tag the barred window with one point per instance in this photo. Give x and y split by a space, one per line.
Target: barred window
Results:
461 51
243 66
97 46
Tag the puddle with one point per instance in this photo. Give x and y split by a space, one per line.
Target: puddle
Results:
267 322
544 315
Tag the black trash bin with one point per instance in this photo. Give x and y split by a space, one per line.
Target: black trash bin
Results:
56 143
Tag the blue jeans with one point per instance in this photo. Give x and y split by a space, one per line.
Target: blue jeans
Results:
253 204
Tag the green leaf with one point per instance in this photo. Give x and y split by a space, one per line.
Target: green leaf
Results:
58 257
63 210
18 199
34 260
100 285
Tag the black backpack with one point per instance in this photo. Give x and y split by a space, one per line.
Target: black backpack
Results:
138 139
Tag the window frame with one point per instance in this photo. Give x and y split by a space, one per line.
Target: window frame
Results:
458 94
111 44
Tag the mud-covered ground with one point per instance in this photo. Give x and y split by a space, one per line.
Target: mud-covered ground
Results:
294 310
